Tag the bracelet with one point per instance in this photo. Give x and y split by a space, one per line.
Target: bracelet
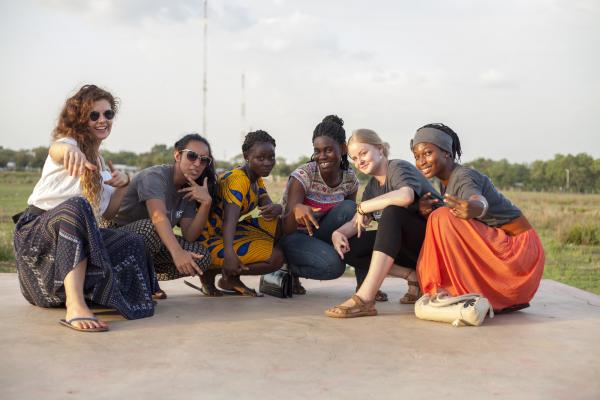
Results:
485 208
359 210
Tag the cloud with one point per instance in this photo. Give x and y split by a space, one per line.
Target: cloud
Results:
231 15
494 78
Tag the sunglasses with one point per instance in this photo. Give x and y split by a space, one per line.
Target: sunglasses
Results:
108 114
193 156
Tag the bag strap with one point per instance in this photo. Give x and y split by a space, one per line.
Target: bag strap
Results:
443 300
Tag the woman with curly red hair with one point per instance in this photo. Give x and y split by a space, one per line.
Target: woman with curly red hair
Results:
62 257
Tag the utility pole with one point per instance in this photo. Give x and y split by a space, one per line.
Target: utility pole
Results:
204 81
568 180
243 110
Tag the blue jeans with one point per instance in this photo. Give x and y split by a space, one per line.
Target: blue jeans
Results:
314 257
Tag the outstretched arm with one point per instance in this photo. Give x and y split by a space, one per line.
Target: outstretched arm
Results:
71 157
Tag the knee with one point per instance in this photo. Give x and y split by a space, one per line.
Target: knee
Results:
394 212
345 210
81 203
442 214
334 267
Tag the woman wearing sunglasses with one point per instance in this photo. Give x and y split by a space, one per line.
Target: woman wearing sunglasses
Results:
163 196
62 257
244 247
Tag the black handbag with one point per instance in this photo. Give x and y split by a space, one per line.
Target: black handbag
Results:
278 284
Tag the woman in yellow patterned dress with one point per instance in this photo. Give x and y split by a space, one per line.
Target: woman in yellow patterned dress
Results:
244 247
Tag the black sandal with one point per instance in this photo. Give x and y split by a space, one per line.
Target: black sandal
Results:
297 286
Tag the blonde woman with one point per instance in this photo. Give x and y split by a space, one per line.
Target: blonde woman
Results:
390 197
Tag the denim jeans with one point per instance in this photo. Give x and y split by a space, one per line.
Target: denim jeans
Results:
314 257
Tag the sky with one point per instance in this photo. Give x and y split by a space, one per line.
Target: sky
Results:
515 79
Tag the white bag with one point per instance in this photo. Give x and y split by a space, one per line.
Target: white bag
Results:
468 309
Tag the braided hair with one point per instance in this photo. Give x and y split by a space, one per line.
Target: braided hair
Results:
209 170
333 127
456 150
258 136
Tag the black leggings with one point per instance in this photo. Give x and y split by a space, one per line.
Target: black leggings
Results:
400 235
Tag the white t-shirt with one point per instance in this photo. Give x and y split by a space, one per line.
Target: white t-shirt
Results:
56 185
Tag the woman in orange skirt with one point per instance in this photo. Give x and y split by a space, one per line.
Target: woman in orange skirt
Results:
476 240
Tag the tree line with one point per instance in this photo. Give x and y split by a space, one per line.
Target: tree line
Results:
574 173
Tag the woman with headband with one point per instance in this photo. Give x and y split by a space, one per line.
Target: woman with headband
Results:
478 241
390 198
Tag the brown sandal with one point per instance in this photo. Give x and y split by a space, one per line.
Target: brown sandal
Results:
360 308
159 295
410 298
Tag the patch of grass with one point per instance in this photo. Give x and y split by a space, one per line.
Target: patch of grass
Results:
581 234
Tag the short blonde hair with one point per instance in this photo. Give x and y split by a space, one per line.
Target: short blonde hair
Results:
369 136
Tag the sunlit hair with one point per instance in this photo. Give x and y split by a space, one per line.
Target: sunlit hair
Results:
73 123
370 137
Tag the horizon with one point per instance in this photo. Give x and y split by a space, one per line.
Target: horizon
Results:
501 75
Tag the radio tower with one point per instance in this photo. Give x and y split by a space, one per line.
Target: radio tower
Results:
204 82
243 110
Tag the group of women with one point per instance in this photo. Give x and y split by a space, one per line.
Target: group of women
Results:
90 234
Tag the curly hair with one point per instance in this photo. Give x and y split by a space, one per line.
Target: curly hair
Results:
333 127
254 137
73 123
456 150
209 172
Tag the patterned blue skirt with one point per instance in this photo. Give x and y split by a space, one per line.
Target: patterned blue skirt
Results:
119 273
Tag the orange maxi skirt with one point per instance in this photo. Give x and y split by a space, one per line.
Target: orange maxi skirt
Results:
468 256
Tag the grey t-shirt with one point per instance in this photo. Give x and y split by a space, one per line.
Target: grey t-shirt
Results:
154 183
400 173
465 182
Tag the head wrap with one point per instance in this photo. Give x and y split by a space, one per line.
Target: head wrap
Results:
432 135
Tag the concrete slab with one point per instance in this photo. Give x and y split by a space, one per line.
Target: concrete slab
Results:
269 348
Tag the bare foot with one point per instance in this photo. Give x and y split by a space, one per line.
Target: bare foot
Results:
79 311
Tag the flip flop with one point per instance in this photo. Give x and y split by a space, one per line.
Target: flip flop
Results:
69 324
159 295
240 291
204 290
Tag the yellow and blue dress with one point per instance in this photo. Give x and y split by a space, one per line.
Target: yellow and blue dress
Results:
254 236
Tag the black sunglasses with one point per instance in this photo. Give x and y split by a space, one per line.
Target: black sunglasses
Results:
108 114
193 156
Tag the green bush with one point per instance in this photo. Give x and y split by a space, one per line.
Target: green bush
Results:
581 234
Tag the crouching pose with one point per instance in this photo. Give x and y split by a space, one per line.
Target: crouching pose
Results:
479 242
243 247
390 198
319 198
62 257
163 196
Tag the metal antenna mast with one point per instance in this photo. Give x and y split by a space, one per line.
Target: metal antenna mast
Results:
243 110
204 81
